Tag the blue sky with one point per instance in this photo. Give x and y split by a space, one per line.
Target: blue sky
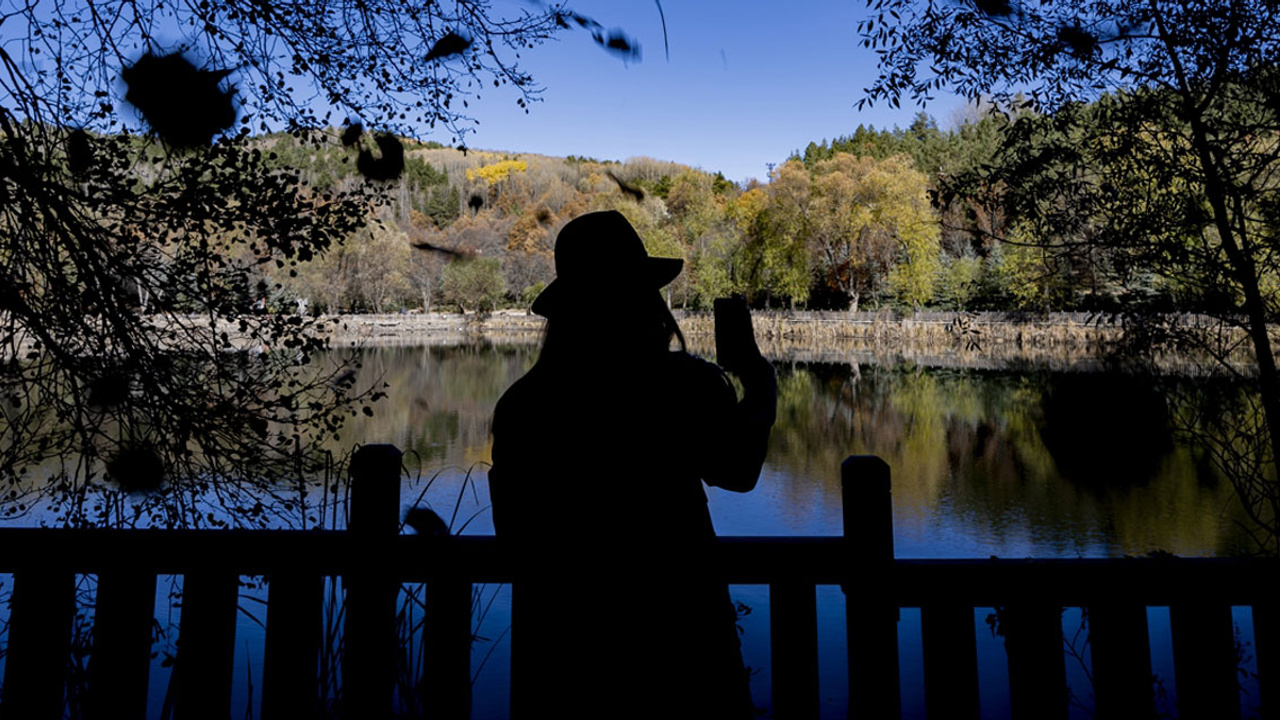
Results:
747 82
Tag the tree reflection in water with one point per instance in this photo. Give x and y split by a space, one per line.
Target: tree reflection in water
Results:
1012 463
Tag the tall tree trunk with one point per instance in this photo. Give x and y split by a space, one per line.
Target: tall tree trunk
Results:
1241 262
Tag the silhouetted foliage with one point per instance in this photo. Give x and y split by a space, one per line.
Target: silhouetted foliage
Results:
614 40
1144 144
389 163
628 189
451 44
151 330
351 134
183 105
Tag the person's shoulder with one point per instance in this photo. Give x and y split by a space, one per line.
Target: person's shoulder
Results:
682 361
693 370
520 396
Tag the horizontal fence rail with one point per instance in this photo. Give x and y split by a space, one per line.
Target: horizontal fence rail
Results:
1029 596
743 560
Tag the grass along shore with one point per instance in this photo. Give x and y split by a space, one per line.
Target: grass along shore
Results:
993 340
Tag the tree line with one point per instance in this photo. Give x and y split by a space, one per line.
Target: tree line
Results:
840 227
903 218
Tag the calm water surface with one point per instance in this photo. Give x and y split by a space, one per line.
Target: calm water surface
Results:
1014 464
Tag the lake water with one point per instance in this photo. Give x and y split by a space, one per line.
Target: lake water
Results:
1008 463
1013 463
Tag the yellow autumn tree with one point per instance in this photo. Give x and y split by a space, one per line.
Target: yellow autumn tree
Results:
871 228
495 174
497 177
774 255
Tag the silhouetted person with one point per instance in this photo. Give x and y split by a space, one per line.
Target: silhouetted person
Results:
599 455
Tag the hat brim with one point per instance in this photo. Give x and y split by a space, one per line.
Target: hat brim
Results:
656 272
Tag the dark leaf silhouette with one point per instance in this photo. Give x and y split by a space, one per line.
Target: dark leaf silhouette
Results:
475 203
633 191
79 152
136 469
259 426
390 163
1079 41
182 104
935 199
429 247
614 41
351 134
109 390
451 44
618 43
345 380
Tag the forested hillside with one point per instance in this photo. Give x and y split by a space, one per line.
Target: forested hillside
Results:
876 219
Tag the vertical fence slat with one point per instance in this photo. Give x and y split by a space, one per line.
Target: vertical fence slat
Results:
950 661
121 659
202 673
369 639
1204 661
369 646
872 618
1037 668
1266 647
446 679
521 687
42 610
793 623
291 656
1120 645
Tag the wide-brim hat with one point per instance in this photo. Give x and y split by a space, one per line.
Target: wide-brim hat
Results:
598 256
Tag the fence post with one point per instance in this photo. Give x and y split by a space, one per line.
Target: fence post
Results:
121 659
291 656
42 610
203 671
1266 645
950 647
872 615
1120 644
793 621
369 639
446 678
1204 661
1037 666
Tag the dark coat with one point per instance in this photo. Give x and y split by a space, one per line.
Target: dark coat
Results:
597 486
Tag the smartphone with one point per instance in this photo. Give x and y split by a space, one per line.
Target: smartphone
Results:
735 340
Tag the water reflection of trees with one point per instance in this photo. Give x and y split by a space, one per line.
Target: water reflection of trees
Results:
441 399
1079 462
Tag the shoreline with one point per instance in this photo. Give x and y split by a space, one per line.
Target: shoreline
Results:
1072 342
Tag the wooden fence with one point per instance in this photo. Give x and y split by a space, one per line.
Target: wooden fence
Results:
374 560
